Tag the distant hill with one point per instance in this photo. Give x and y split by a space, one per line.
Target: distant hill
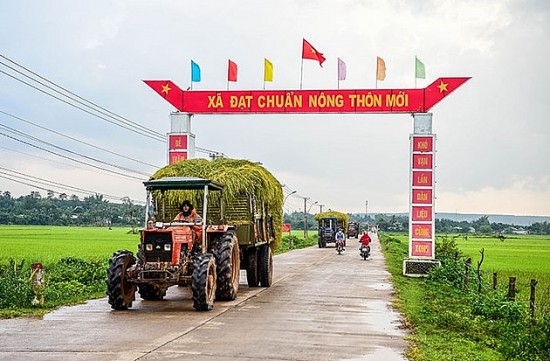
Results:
493 218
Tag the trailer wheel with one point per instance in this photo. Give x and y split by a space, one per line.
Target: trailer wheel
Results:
204 282
252 268
265 263
120 292
151 292
228 262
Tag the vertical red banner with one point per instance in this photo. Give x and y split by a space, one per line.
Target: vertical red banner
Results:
421 213
175 157
421 207
421 248
422 161
422 230
422 179
423 144
177 148
177 141
422 196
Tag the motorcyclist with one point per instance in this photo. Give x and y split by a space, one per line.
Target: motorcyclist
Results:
340 238
365 239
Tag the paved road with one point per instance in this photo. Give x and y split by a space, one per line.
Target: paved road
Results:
322 306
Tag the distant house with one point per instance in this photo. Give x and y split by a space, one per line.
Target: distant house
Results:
519 230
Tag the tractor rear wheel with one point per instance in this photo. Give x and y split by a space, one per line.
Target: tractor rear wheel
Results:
120 291
228 261
151 292
265 263
252 268
204 282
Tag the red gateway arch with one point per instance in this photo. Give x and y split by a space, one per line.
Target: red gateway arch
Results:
414 101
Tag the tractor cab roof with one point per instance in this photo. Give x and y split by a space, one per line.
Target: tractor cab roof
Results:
182 183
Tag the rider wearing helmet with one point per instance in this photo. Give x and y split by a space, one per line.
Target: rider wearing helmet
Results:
340 238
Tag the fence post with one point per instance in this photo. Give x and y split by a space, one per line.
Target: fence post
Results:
495 278
532 299
512 289
467 273
482 251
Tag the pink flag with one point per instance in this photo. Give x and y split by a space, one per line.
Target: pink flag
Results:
341 69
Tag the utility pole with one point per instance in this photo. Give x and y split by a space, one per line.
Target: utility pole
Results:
366 213
305 216
321 208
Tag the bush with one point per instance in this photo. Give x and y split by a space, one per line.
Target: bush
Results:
15 285
69 280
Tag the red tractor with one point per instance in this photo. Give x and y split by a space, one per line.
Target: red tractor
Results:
204 254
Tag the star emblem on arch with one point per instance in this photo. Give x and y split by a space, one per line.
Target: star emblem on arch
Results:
442 87
165 89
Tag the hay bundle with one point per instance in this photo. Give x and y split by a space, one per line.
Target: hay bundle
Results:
342 218
239 177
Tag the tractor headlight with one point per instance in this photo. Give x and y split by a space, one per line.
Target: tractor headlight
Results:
149 247
167 247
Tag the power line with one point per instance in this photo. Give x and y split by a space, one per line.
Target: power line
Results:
78 140
66 157
34 156
84 110
116 119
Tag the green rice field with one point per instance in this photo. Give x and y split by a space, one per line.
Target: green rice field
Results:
523 257
47 244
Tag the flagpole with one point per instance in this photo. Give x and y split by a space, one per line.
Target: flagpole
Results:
301 72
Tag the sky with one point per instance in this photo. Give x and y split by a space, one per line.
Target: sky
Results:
493 133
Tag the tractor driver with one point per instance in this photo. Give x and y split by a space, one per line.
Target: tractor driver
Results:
188 214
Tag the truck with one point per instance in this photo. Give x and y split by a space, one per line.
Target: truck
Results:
239 207
353 230
328 224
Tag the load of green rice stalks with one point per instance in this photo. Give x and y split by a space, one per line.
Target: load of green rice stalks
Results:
240 178
342 218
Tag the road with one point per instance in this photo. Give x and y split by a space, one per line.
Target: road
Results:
321 306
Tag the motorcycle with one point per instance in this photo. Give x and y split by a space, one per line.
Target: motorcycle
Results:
364 251
339 246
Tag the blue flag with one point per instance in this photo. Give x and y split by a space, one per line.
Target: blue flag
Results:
195 72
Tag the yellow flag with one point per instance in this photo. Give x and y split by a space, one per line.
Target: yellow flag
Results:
380 68
268 70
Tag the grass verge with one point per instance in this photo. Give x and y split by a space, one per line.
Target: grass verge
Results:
450 322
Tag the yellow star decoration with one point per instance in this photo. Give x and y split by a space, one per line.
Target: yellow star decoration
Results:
442 87
166 88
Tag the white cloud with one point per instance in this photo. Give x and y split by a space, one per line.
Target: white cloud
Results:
493 134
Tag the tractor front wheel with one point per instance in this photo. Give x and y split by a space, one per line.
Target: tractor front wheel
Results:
121 292
204 282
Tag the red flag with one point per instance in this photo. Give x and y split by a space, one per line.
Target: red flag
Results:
232 71
309 52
